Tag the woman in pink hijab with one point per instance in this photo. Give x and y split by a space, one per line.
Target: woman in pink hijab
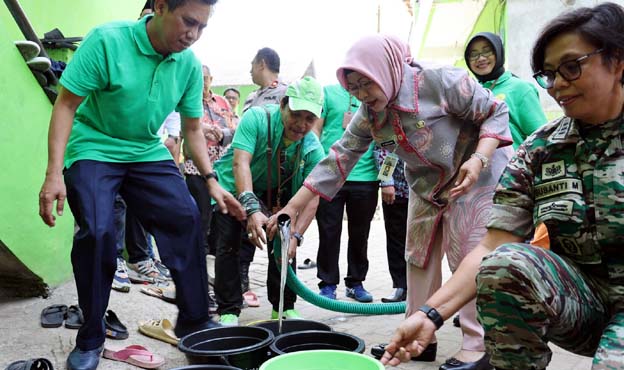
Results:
454 139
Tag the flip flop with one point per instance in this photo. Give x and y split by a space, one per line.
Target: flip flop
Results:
167 294
53 316
134 355
251 298
74 318
28 49
307 264
159 329
32 364
114 328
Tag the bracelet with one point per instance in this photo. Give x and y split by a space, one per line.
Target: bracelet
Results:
485 161
250 202
208 176
433 315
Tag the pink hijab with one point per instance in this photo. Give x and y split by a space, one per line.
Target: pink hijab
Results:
380 58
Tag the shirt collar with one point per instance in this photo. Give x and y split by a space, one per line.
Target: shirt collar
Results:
143 42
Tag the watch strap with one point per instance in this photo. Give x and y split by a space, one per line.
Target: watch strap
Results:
433 315
208 176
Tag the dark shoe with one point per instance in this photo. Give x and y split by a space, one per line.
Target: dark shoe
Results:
454 364
184 330
399 295
359 294
114 328
456 322
84 360
328 291
33 363
428 355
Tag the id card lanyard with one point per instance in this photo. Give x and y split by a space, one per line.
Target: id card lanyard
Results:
389 164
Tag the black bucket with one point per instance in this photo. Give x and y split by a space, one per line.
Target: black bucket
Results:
244 347
291 326
314 339
207 367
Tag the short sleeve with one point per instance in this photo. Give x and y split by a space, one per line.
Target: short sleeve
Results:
87 71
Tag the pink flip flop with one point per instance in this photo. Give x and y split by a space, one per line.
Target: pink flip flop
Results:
135 355
251 298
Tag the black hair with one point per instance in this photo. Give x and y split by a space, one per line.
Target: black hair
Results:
270 57
231 89
284 101
172 4
499 52
601 26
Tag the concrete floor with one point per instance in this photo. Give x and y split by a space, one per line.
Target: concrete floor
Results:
22 337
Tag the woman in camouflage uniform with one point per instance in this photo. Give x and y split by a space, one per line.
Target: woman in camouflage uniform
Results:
568 175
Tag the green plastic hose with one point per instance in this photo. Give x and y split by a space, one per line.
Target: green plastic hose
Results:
332 304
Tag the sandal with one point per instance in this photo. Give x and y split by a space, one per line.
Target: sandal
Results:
307 264
74 317
165 292
53 316
32 364
114 328
251 299
134 355
159 329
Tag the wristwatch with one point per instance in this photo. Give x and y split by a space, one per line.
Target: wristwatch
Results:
433 315
299 238
485 161
208 176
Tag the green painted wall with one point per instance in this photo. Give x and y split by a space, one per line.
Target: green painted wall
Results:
24 125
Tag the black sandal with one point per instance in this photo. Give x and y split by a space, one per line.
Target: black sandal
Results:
32 364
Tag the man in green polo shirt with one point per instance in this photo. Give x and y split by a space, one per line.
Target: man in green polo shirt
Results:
123 81
244 170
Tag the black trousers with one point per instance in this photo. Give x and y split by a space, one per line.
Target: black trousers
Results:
227 237
199 191
157 195
360 199
131 234
395 221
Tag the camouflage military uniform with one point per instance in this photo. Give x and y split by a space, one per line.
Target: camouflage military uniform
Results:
571 178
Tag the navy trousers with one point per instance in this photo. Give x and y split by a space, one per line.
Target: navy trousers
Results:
157 195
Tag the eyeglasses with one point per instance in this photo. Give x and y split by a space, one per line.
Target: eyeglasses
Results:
354 89
569 71
474 55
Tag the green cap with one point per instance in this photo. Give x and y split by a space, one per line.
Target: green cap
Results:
306 94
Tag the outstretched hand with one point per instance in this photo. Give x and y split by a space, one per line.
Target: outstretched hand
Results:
272 223
226 201
409 340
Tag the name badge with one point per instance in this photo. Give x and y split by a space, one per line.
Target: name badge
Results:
387 167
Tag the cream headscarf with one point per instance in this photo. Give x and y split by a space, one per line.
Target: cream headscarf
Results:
380 58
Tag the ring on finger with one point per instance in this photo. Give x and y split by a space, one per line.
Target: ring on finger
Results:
249 235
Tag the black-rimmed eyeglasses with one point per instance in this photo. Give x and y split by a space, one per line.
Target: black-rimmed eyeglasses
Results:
569 71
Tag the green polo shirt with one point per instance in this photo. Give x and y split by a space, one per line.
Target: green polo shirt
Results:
129 90
337 102
251 136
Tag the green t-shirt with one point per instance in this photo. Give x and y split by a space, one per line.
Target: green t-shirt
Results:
337 102
525 112
251 136
129 90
